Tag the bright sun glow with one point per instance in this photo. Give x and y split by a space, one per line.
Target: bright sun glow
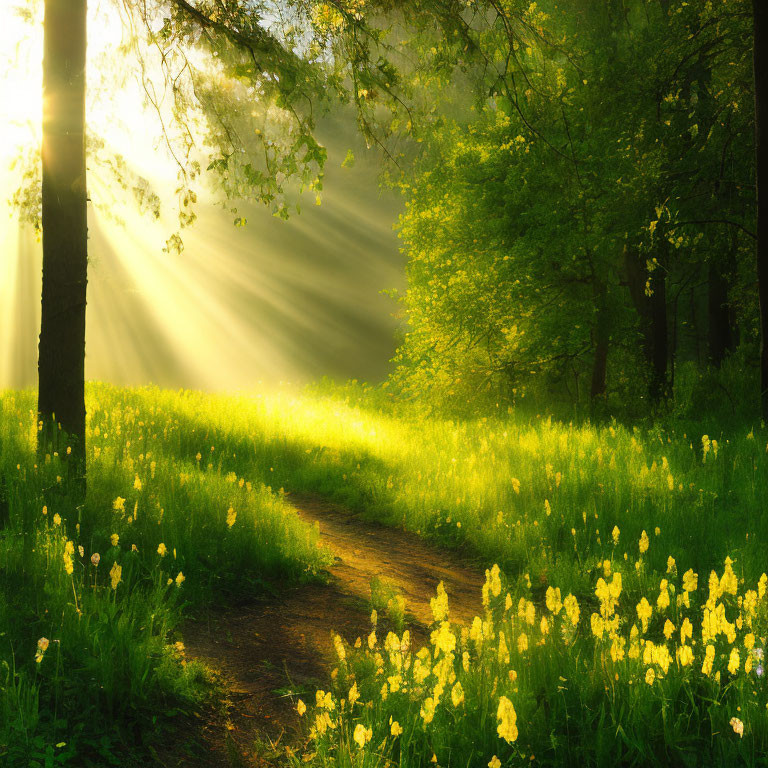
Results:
273 301
21 54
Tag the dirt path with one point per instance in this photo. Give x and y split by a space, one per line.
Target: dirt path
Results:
283 644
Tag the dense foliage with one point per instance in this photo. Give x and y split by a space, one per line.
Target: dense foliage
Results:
584 226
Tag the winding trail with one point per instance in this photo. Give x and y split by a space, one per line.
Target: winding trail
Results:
280 644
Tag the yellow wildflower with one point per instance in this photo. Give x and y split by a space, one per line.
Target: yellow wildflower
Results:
644 612
116 574
114 539
442 638
493 580
323 722
161 549
709 658
685 655
457 695
662 601
507 717
395 729
231 517
301 707
686 630
552 597
42 647
617 649
650 676
729 583
572 611
530 613
339 645
325 700
439 604
644 542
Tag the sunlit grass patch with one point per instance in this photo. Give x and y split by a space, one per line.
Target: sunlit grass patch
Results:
538 496
189 501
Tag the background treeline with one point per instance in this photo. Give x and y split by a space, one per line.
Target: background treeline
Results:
580 213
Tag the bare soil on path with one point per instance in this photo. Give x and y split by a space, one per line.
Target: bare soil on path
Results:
271 648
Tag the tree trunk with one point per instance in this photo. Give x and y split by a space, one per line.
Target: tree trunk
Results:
719 333
658 334
600 365
635 277
61 362
652 313
760 11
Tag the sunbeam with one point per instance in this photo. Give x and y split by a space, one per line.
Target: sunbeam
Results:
272 301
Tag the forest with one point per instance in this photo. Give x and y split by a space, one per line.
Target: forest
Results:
384 383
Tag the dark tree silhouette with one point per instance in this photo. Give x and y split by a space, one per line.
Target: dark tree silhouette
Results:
61 365
760 9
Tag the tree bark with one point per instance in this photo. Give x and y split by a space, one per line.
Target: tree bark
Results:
652 314
658 334
600 364
760 61
61 362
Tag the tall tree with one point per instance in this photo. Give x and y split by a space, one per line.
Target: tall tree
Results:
760 11
61 366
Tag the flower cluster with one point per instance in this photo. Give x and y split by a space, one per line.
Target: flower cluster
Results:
386 691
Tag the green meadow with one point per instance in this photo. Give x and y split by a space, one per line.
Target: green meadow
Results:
624 612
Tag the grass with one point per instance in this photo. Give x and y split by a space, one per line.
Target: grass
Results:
90 596
555 505
533 495
566 683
